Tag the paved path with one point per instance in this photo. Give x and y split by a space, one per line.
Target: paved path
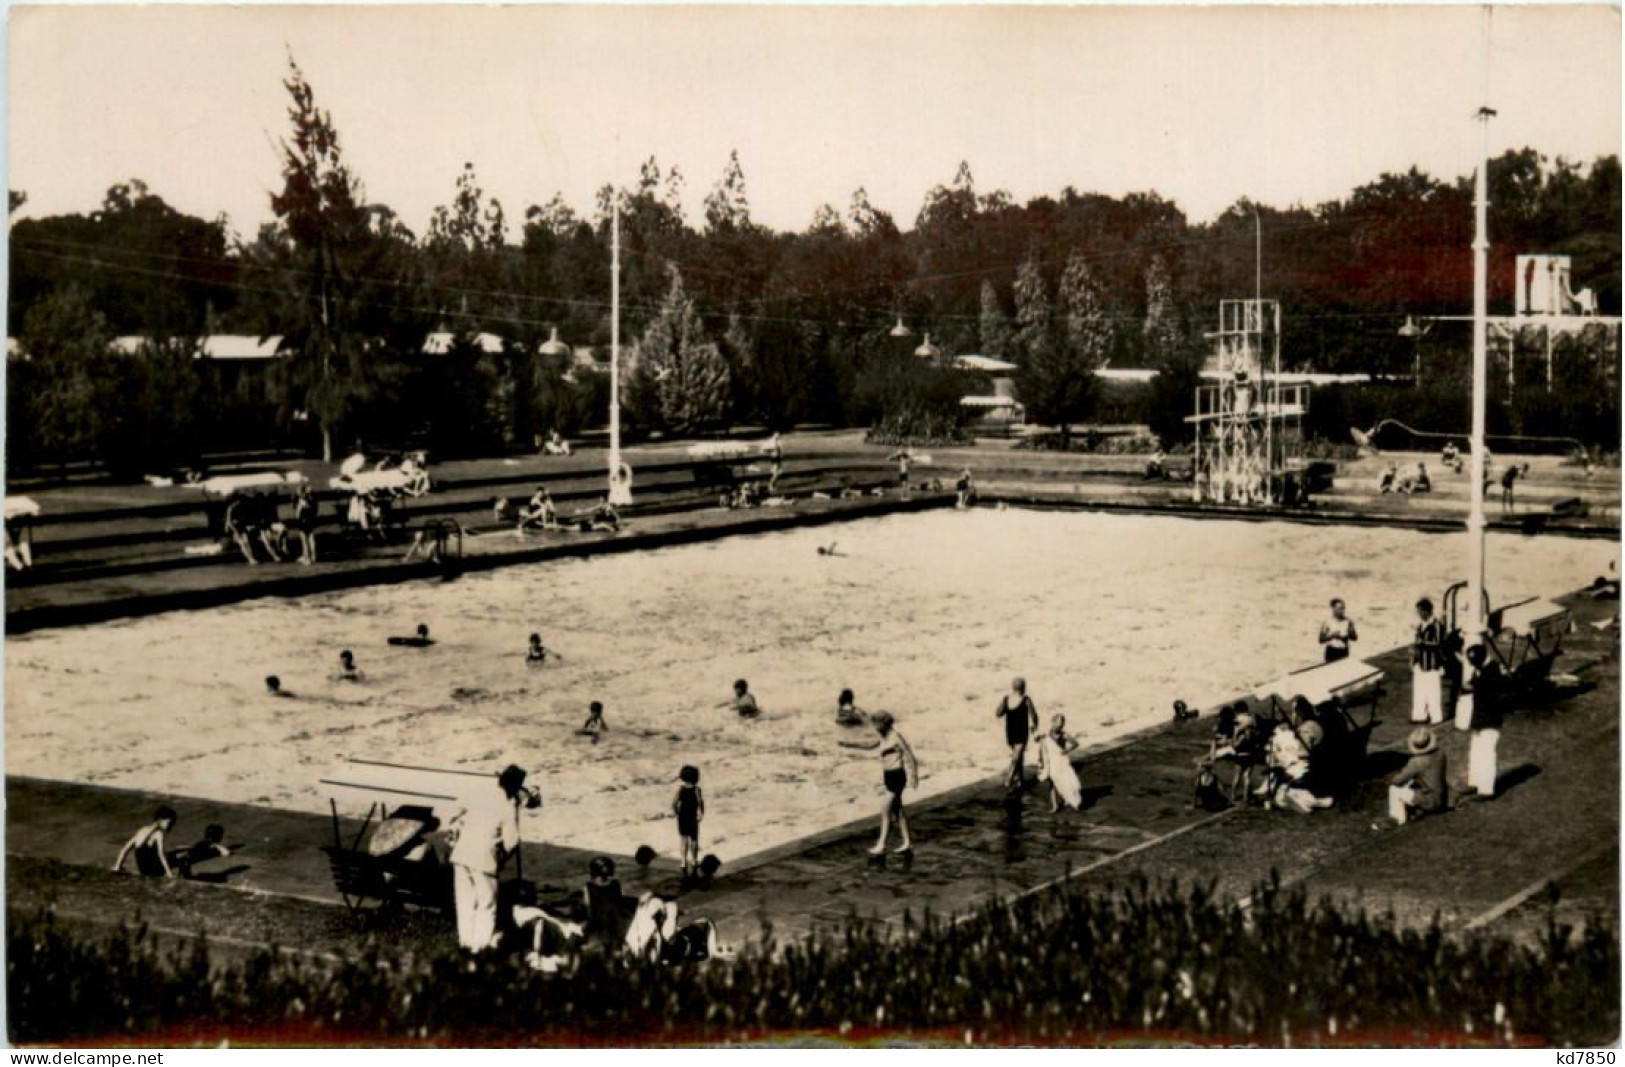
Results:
1482 867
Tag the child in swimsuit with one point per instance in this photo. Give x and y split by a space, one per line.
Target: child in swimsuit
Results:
743 702
348 671
537 654
147 845
273 686
689 807
595 723
212 847
847 712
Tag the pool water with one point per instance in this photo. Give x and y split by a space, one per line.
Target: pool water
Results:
1110 618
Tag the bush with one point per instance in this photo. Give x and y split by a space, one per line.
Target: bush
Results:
1170 962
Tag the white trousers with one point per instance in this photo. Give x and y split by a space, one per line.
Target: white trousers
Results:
1481 761
1464 711
1427 695
1400 799
476 908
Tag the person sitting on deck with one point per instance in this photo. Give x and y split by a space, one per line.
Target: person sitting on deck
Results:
1156 468
1421 483
147 845
1390 476
240 526
348 671
19 550
743 702
603 518
1419 787
421 639
964 489
1451 457
539 512
556 445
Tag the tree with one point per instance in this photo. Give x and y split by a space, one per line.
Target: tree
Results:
68 350
1058 381
329 250
677 374
1173 390
1035 314
996 334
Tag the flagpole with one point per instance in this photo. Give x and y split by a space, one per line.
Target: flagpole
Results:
620 489
1481 249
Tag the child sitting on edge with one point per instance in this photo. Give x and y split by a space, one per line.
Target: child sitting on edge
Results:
595 723
147 845
689 807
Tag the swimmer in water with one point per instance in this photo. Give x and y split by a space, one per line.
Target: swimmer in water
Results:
348 671
421 639
273 686
743 702
847 712
829 551
595 723
538 653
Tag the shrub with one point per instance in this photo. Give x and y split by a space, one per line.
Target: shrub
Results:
1165 961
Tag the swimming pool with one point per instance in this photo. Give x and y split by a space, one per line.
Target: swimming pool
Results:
1109 618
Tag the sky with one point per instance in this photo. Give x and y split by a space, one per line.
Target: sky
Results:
1202 105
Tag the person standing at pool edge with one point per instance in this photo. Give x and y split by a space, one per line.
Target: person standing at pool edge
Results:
899 770
488 835
1337 631
1427 666
1019 723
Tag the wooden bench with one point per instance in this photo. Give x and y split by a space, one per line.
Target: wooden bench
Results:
360 878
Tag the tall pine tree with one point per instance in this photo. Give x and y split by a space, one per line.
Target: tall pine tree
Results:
679 376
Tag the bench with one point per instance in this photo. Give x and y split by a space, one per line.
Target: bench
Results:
360 878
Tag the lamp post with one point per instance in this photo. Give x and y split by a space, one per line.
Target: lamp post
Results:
1413 333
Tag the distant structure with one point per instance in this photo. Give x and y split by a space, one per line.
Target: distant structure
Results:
1543 288
1249 422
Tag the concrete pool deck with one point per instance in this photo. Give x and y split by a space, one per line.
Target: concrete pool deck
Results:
1560 805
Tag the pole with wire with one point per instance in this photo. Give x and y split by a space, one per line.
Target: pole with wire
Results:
1481 249
620 476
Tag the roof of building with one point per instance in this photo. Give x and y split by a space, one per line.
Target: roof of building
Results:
986 364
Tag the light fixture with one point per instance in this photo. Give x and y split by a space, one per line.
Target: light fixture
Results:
900 330
553 346
927 350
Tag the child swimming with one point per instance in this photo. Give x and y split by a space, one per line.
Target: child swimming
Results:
538 653
595 723
273 686
421 639
743 702
348 671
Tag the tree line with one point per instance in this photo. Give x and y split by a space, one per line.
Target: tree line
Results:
725 320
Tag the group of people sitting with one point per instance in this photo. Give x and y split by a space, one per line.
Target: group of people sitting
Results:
1297 762
254 524
541 513
149 847
1416 481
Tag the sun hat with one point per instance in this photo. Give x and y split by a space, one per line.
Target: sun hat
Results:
1422 741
